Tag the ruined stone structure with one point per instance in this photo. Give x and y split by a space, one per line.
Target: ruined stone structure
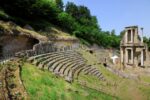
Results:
16 41
132 49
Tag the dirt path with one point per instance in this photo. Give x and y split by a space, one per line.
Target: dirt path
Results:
11 86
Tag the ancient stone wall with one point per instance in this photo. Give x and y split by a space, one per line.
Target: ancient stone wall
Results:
46 47
26 47
10 44
65 45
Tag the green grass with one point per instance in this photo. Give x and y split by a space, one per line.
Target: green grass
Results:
42 85
124 89
3 15
145 78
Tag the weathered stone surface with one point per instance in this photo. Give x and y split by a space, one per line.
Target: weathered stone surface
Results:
28 27
134 52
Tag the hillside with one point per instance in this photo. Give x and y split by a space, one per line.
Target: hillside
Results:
52 51
16 70
90 78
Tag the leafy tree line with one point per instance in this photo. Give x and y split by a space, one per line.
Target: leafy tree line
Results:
77 20
147 41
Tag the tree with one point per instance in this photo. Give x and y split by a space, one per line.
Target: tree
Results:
147 41
83 12
30 9
113 33
60 4
71 9
122 33
77 12
66 21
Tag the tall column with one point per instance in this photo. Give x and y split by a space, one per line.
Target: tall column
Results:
122 54
142 58
142 35
132 56
126 57
126 36
131 36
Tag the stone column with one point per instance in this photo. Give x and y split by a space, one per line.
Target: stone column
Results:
142 58
147 56
126 57
131 36
126 36
122 56
132 56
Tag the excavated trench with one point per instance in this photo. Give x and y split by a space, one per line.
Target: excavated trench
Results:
11 44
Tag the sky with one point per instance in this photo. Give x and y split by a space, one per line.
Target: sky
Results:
117 14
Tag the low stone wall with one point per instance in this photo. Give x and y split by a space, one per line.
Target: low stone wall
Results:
45 47
123 74
73 44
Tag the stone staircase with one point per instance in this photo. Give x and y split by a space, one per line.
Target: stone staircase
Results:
67 64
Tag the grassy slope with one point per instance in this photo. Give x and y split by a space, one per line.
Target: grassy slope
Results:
125 89
42 85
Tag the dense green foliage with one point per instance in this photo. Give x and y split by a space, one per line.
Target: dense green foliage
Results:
147 41
77 20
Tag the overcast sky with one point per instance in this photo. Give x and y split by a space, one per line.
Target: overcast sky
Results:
117 14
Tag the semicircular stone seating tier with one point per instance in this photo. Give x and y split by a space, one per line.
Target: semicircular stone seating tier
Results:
67 64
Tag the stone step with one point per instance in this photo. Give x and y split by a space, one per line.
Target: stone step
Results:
69 69
71 66
55 57
80 70
50 63
86 70
100 76
42 64
68 79
70 60
60 61
78 65
30 59
63 68
91 71
38 62
57 70
73 71
65 64
52 53
96 72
